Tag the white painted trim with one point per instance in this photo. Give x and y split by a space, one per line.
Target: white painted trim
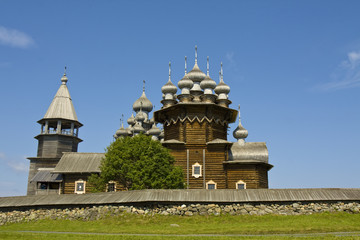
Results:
80 181
193 170
211 182
107 186
240 182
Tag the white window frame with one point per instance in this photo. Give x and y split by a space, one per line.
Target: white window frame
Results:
193 170
211 182
107 186
76 183
240 182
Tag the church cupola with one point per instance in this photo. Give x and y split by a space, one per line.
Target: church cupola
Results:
196 75
121 132
185 84
169 90
240 133
143 102
208 85
222 90
154 132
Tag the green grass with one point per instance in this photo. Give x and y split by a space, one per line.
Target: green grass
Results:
46 236
221 225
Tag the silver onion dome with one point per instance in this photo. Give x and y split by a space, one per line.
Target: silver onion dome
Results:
240 133
196 75
222 89
169 88
143 103
138 128
130 130
185 82
208 83
154 130
131 120
121 132
140 116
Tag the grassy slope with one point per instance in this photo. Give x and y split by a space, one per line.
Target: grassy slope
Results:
269 224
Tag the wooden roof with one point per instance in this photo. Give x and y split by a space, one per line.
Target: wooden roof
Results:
186 196
75 162
47 176
61 106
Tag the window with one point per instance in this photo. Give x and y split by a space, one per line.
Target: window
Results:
80 186
196 170
111 186
240 185
211 185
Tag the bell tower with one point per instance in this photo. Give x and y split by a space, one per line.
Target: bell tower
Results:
59 133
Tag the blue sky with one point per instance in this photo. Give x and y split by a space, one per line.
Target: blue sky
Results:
294 66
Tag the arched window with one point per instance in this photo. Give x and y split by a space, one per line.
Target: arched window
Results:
196 170
240 185
211 185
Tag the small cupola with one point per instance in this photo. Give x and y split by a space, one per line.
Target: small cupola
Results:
196 75
185 84
222 90
169 90
240 133
143 102
208 85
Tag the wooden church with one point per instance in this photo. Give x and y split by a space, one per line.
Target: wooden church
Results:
195 125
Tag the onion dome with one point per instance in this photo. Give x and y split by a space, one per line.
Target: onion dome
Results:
143 102
240 133
208 84
169 89
130 130
138 128
185 84
154 130
121 132
131 120
222 89
140 116
196 75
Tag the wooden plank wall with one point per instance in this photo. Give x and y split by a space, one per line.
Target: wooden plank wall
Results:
55 145
255 176
68 186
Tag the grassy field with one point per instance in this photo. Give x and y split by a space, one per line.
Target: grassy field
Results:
181 225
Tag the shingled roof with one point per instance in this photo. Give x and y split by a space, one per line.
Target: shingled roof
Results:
74 162
62 106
